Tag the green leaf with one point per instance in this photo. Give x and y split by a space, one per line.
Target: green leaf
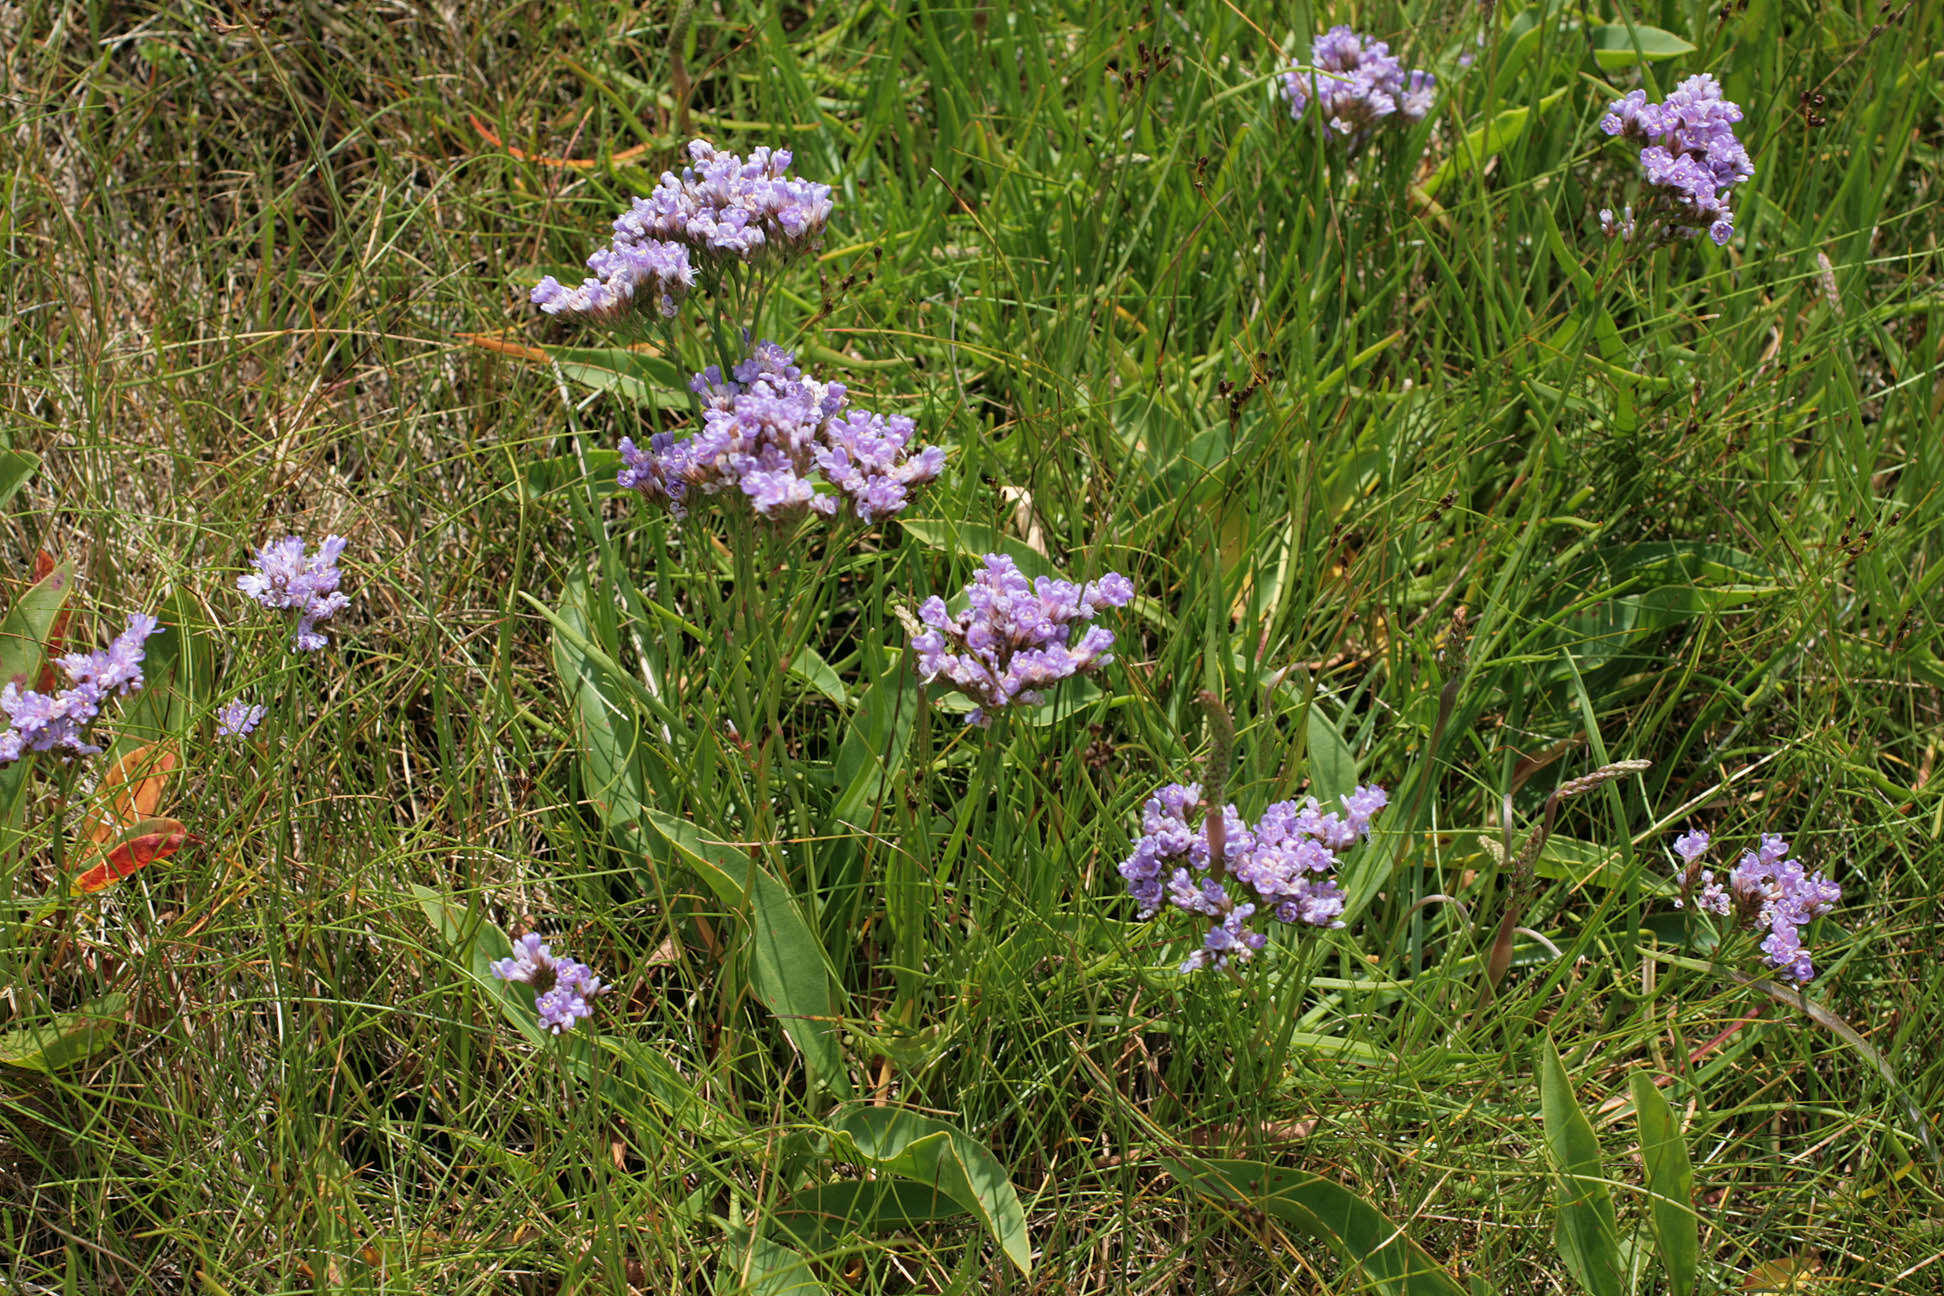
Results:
1327 1211
819 1217
610 736
483 944
790 973
1477 145
542 477
1619 46
874 746
632 375
755 1264
1480 144
945 1157
1670 1186
1332 767
638 1073
66 1038
23 647
16 466
24 630
812 669
1586 1233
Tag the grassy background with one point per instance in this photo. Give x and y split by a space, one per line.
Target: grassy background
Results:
1368 438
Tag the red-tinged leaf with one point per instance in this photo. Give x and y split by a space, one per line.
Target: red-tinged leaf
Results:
131 790
25 629
56 633
147 842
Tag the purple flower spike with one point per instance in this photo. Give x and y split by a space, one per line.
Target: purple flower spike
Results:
46 721
1284 864
1690 156
562 987
1357 86
286 580
776 434
1013 639
237 718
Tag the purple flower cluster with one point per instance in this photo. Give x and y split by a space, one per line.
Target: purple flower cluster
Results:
44 721
773 432
236 718
656 271
1691 157
1356 86
286 580
562 986
1012 640
1285 864
721 208
1764 889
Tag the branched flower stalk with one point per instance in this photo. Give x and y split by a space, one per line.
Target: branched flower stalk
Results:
1499 961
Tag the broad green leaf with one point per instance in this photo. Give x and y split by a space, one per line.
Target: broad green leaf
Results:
24 630
945 1157
1670 1186
1332 768
66 1038
755 1264
789 971
637 1072
1479 144
1586 1232
544 476
23 647
610 736
1321 1208
634 376
16 467
163 704
819 1217
874 746
812 669
1619 46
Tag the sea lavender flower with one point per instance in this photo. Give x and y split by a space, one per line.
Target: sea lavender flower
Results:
1014 638
286 580
1284 864
652 271
1765 889
720 209
236 718
1356 86
775 433
561 986
724 205
1690 156
46 721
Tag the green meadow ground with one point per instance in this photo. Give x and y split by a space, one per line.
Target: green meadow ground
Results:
1409 465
